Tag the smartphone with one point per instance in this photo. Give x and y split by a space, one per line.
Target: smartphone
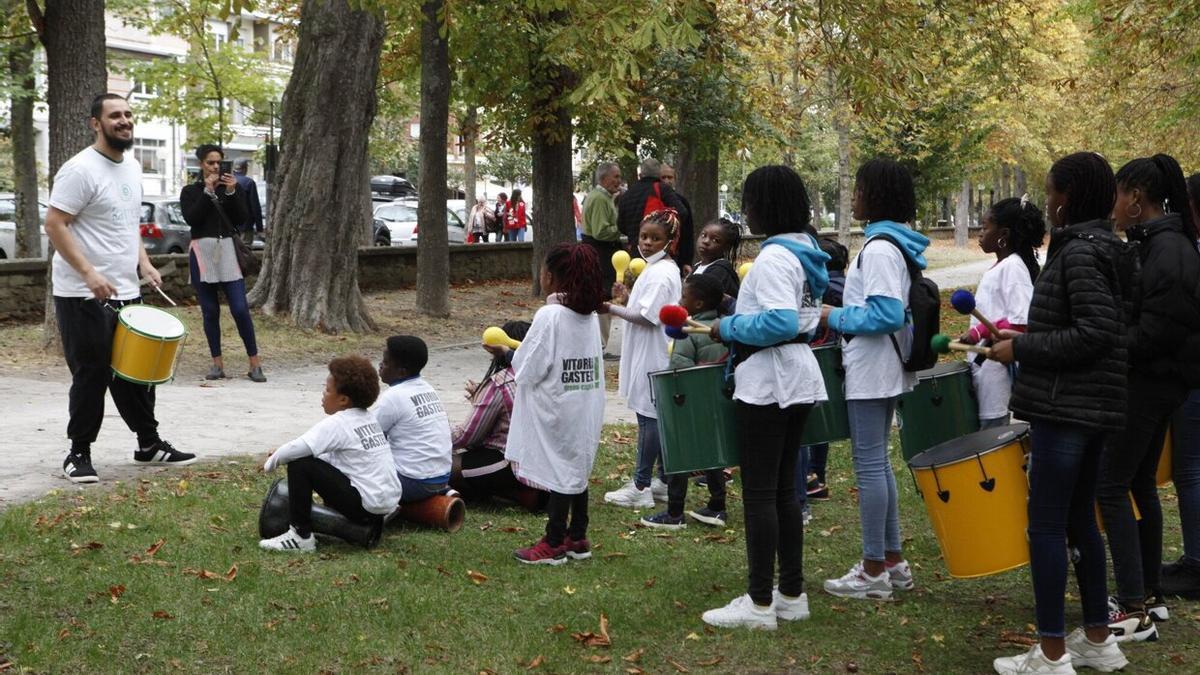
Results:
226 167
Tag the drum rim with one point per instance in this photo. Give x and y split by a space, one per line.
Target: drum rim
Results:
671 371
135 380
1024 433
955 368
121 317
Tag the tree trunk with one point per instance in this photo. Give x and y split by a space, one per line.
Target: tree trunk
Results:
818 208
845 184
72 32
20 64
962 214
1019 182
629 161
433 252
322 203
470 174
553 180
697 179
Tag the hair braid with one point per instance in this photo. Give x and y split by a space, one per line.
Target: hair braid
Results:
668 219
733 237
1161 179
1026 230
576 271
1087 179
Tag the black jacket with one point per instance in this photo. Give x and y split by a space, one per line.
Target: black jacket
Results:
632 205
724 272
1164 341
202 216
1073 361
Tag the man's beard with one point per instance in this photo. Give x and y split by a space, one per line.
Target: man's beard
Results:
118 144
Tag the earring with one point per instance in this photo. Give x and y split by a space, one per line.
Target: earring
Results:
1003 242
1134 216
1167 205
1058 212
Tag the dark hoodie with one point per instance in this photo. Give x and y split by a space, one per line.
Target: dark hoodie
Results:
1164 341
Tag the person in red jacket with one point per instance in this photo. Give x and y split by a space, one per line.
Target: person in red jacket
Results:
515 223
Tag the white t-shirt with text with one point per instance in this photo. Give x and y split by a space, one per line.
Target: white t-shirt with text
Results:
644 348
1004 292
873 369
788 374
352 442
417 428
105 197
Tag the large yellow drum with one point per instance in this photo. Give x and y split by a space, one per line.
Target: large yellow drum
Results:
146 344
975 490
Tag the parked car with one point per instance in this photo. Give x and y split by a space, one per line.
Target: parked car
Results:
400 217
382 236
392 186
8 225
163 227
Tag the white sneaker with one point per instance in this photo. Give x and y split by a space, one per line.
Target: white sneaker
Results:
1033 661
741 612
900 575
790 609
289 541
859 585
1104 657
658 489
629 495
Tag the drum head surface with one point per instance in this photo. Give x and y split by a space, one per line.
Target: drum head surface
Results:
943 369
151 321
968 446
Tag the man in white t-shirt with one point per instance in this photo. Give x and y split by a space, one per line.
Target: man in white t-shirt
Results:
411 415
92 222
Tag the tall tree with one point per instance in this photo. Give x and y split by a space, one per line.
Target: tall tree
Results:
433 255
322 207
72 32
22 95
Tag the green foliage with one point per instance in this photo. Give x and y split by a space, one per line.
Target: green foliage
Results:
509 166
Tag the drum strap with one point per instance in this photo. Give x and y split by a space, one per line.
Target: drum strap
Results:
740 351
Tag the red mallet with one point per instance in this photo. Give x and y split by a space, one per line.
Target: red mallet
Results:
964 303
676 315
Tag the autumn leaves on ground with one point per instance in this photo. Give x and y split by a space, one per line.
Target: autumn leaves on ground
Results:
164 574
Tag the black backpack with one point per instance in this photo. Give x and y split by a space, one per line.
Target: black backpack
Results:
925 307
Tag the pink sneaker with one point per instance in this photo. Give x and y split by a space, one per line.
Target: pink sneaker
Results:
577 550
542 553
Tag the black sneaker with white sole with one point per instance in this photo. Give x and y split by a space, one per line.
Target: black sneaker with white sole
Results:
78 468
162 453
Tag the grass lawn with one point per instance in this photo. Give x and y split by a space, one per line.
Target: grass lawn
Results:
164 575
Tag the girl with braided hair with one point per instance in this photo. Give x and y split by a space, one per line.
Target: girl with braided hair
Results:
1164 363
718 246
559 367
644 351
1013 230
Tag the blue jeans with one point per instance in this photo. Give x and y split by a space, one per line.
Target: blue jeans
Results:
878 499
803 460
1064 465
417 490
818 457
210 309
1185 471
649 452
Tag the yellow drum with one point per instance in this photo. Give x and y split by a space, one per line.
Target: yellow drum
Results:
975 490
146 344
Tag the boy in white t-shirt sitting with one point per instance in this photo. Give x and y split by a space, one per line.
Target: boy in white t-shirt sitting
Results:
414 421
344 458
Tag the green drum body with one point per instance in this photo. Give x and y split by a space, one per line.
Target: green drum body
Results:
940 408
695 418
828 420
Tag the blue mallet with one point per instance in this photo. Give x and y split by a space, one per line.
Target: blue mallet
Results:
963 302
675 332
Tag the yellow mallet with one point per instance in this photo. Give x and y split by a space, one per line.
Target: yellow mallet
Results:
620 263
743 270
637 266
494 336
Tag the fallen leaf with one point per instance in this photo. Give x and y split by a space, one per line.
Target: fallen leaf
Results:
677 665
556 628
614 554
650 582
64 634
535 662
115 592
1015 638
442 570
160 614
591 639
938 638
231 574
270 625
512 529
477 577
598 658
851 667
634 656
486 526
710 662
569 590
680 605
154 548
692 636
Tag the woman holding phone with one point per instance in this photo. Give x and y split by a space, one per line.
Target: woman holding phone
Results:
210 206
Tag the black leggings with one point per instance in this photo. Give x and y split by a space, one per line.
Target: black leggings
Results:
769 447
557 508
308 475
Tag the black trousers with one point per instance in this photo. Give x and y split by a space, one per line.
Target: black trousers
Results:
501 483
86 327
310 474
604 251
558 508
769 447
1128 464
677 488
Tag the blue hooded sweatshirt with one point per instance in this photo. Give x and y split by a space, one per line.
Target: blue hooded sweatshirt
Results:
775 326
882 315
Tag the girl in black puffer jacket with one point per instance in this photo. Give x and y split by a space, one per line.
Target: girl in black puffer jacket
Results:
1071 387
1152 208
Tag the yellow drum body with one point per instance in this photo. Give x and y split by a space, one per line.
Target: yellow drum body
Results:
146 344
975 490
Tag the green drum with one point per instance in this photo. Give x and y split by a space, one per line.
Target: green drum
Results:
695 418
940 408
828 420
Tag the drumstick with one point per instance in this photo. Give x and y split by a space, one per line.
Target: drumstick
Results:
942 344
168 299
494 336
964 302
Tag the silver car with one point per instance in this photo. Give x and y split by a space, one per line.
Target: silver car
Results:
8 226
400 217
163 227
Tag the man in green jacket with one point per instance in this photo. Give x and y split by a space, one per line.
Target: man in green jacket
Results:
601 233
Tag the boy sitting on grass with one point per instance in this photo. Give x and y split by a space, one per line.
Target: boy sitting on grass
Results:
702 296
344 458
